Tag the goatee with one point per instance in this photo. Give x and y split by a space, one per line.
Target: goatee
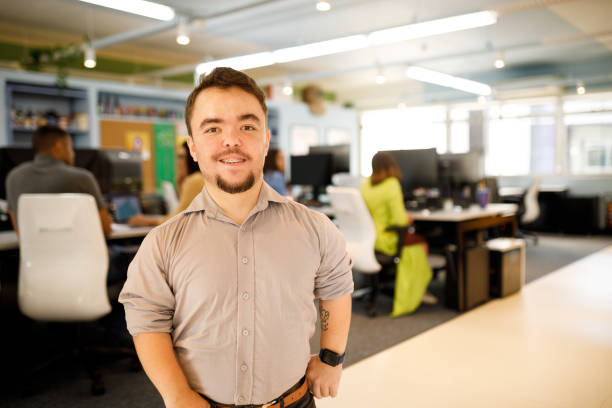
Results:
236 188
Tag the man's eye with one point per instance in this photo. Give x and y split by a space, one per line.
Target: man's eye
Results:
248 127
211 130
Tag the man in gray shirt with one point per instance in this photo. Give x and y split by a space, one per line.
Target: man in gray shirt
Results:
52 171
220 298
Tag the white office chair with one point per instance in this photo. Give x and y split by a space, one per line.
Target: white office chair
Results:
357 227
170 196
531 209
63 258
346 180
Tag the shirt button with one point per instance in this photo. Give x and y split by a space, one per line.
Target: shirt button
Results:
240 399
245 332
243 368
245 260
245 295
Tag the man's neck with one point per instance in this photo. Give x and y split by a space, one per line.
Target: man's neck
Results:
236 206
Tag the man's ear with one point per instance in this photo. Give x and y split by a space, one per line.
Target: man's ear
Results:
192 150
267 141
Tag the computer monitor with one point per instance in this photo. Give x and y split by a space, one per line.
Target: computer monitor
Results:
126 170
341 156
97 163
125 206
311 170
463 168
11 157
419 168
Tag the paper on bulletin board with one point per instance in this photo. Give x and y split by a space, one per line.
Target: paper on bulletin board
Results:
140 142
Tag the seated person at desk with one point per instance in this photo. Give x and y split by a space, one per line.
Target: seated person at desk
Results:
274 167
190 182
53 171
383 196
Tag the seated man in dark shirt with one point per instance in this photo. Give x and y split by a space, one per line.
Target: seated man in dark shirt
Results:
52 171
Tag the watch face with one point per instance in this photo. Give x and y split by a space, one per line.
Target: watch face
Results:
329 357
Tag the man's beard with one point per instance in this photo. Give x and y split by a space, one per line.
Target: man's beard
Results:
236 188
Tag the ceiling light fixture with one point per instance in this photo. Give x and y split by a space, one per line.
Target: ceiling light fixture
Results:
323 5
182 36
481 100
139 7
580 89
355 42
90 58
318 49
499 62
261 59
449 81
433 27
288 89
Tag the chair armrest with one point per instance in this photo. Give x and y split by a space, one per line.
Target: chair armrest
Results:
402 231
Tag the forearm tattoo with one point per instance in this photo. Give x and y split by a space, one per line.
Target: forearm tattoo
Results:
324 314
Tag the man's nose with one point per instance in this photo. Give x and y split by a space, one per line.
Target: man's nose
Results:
232 138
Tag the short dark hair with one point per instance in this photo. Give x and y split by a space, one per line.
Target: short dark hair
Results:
270 161
46 137
192 166
223 77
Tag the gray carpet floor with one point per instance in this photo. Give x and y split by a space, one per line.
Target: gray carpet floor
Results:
67 385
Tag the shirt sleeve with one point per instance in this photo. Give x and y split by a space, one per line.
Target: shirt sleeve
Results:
146 296
395 201
89 185
334 278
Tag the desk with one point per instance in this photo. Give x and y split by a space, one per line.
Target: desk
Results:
457 223
9 240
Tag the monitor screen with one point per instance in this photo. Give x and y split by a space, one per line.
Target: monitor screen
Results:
125 206
419 168
126 170
463 168
341 156
311 170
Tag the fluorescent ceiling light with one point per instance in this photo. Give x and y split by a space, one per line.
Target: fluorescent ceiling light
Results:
433 27
321 48
449 81
354 42
323 5
260 59
140 7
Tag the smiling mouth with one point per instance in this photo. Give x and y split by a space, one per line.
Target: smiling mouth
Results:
232 161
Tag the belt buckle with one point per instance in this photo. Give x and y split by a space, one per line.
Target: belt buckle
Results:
269 404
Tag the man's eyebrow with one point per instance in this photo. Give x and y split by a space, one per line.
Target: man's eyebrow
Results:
249 116
209 121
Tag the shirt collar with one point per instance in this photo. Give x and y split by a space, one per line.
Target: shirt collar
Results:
46 159
203 201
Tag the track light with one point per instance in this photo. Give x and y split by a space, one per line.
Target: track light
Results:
182 37
90 58
499 62
288 89
580 89
323 5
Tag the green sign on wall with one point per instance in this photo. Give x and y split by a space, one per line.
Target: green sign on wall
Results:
165 152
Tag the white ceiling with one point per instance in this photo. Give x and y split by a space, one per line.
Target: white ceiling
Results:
538 37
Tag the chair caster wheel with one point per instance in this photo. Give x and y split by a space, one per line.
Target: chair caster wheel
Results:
371 311
97 387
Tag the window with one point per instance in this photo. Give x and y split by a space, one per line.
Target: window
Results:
395 129
520 139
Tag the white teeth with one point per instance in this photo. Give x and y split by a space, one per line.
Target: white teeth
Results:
231 161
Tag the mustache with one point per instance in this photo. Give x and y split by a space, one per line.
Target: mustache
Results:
232 150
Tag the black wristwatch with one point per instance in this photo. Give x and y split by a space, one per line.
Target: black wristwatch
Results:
330 357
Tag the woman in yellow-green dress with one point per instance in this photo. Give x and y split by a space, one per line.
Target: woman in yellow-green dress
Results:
383 196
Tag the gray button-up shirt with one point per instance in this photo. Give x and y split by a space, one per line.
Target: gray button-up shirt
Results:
238 300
